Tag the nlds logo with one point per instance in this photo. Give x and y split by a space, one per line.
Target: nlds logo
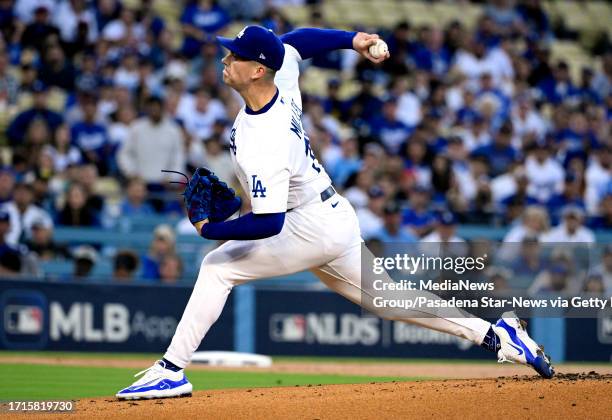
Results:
311 328
604 328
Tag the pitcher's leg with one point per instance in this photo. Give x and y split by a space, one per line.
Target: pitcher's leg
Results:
343 275
233 263
203 309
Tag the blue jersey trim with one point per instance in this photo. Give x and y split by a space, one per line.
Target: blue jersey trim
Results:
265 108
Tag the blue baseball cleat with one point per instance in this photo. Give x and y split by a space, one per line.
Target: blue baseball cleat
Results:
518 347
157 382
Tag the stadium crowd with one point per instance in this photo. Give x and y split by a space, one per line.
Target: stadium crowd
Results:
462 125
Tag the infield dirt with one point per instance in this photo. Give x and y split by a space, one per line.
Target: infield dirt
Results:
580 396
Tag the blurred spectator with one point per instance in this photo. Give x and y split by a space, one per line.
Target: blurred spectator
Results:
163 244
500 153
513 205
85 258
391 132
7 183
559 87
571 228
534 19
442 179
125 265
604 269
18 128
533 223
501 278
61 151
545 174
418 217
39 30
604 219
71 15
200 19
55 69
25 9
134 203
10 257
594 284
76 211
431 55
87 176
155 143
371 217
443 240
446 226
347 164
119 129
9 85
125 29
555 279
218 159
23 214
565 260
527 121
36 136
333 105
356 188
200 117
170 269
393 231
91 137
10 26
598 176
528 261
573 193
416 163
42 244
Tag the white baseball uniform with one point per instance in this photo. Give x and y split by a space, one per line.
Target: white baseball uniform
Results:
275 166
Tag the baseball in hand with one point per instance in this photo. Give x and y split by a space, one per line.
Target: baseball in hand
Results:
379 49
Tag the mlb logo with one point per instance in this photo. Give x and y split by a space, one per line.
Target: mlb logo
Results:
23 319
24 322
289 328
604 328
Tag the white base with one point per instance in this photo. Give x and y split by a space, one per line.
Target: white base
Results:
231 358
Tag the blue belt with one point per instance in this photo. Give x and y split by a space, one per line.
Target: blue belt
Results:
328 193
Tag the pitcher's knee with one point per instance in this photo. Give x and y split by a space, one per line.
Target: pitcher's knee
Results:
215 272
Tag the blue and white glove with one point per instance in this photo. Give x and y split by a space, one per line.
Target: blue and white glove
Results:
222 202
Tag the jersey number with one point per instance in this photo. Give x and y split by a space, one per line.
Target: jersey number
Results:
310 153
258 189
233 141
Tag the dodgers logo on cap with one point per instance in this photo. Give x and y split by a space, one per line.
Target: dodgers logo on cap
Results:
258 44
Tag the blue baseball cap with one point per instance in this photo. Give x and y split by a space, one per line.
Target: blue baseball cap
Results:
447 218
258 44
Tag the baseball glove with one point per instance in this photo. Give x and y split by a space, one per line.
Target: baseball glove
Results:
206 195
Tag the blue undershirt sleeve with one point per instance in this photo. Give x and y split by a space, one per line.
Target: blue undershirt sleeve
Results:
249 226
313 41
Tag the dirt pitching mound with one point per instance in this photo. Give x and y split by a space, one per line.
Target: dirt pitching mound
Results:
577 395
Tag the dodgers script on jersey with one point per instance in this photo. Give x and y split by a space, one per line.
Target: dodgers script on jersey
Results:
271 152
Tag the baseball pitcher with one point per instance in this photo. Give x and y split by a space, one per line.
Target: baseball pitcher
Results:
298 221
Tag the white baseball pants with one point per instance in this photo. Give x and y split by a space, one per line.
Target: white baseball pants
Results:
316 237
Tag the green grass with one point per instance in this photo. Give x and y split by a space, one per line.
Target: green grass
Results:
296 359
37 382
